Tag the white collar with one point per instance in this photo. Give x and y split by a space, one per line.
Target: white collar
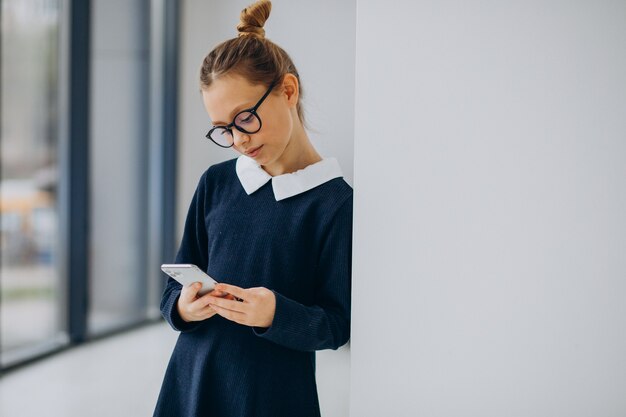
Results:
253 177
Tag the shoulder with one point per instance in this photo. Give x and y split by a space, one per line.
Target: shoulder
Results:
218 173
336 193
221 169
325 202
341 187
345 199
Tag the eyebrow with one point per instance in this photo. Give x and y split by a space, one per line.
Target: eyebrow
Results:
233 113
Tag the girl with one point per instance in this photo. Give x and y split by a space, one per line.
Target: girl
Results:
274 227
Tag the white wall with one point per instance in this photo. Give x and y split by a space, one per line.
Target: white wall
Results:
320 38
490 192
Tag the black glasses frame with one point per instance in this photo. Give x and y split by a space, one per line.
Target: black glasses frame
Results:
251 110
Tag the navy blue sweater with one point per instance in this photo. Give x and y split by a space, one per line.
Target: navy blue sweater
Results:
301 249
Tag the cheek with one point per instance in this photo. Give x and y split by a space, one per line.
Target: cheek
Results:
282 125
277 125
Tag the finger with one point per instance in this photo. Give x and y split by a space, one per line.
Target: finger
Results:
235 316
204 300
190 292
228 304
221 294
232 289
207 312
217 293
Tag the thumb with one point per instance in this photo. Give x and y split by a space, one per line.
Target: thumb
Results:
192 291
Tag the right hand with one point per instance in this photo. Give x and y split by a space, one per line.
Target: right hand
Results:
193 308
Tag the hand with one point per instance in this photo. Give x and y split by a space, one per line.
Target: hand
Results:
193 308
256 309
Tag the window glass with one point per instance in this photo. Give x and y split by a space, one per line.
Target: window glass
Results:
31 291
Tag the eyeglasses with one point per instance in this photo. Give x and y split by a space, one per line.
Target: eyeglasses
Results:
246 121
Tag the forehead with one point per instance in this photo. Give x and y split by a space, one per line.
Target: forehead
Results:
229 94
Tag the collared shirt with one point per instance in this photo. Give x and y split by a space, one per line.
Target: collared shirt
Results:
253 177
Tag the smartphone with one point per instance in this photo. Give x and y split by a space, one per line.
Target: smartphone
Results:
187 274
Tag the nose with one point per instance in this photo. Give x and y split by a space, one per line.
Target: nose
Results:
240 138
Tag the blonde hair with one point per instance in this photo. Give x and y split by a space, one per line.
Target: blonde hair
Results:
251 55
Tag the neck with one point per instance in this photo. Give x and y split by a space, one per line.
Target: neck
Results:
298 154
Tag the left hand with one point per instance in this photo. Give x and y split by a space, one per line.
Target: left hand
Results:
257 308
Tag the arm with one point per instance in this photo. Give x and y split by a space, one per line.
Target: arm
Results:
325 325
193 250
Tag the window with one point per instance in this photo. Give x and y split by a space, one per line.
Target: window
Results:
31 286
87 151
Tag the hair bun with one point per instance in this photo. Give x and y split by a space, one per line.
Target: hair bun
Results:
253 17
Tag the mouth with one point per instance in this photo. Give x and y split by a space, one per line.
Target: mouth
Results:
254 152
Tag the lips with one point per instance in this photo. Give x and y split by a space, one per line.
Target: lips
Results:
254 151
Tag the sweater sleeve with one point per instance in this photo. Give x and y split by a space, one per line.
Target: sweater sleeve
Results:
192 250
326 324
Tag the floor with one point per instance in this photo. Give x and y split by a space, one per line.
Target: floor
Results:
121 376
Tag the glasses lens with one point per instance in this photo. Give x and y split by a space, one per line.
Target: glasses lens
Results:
222 137
248 122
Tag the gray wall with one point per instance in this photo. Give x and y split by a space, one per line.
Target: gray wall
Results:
490 192
320 38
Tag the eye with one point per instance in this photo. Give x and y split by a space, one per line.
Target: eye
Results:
222 131
245 119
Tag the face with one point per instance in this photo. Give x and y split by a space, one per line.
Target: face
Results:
230 94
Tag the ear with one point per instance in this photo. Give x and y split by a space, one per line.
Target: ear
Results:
291 89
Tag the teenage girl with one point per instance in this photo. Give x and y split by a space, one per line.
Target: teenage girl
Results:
274 227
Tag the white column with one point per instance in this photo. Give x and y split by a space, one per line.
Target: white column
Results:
490 201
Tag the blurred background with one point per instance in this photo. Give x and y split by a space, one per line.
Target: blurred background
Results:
102 144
